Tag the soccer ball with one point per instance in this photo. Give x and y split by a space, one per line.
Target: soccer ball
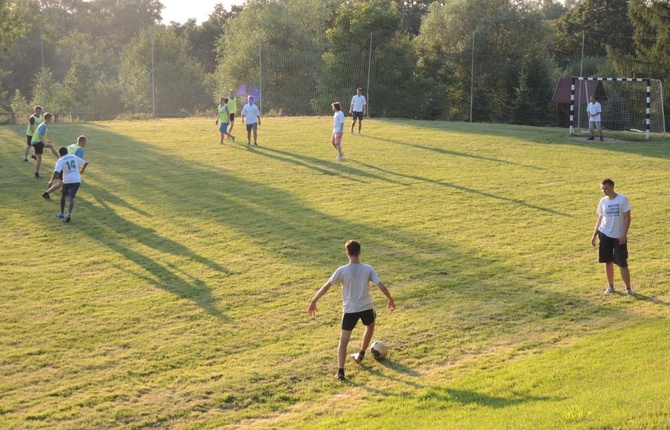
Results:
379 350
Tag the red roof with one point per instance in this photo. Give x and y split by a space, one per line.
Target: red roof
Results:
583 90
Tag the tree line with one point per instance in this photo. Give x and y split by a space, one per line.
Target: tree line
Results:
427 59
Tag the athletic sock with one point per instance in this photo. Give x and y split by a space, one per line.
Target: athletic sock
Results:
340 371
362 354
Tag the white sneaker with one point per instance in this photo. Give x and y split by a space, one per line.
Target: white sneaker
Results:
629 293
338 158
352 131
357 357
609 290
359 133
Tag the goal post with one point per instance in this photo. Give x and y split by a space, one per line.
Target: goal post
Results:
628 104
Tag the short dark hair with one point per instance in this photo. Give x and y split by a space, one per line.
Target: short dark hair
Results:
353 248
607 182
62 151
337 106
47 116
81 139
359 89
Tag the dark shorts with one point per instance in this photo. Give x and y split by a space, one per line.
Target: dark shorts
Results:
39 147
349 320
357 115
29 140
253 126
70 190
610 251
232 117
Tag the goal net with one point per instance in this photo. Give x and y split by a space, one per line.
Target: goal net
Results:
633 105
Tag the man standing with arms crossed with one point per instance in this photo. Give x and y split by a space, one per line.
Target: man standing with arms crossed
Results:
358 109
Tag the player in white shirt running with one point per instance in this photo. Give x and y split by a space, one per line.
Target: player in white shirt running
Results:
72 167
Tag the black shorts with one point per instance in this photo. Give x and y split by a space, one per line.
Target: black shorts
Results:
70 190
39 147
358 115
232 117
609 251
29 140
349 320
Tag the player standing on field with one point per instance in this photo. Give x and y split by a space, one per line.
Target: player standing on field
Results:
252 117
593 111
612 231
355 278
338 130
358 109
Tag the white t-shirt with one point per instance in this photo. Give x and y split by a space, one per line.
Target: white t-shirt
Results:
594 110
250 113
338 122
355 279
69 164
612 212
358 102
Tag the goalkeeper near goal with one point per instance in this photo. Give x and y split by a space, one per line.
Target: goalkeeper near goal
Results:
593 110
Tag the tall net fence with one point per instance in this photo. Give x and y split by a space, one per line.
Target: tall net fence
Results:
471 86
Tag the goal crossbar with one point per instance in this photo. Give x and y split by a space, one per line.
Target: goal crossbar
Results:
583 78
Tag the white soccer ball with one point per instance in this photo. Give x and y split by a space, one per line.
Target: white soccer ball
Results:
379 350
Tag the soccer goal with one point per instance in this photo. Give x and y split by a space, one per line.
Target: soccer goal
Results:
628 104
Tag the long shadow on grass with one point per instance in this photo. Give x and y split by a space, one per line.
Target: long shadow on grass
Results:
275 222
462 188
465 397
114 232
453 153
322 166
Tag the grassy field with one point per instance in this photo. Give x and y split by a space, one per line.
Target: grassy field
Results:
177 297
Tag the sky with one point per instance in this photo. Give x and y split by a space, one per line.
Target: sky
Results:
182 10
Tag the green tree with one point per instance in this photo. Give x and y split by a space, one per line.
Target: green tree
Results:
366 42
156 67
12 23
602 24
510 40
290 34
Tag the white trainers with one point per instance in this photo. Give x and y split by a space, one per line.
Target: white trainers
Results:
352 131
609 290
357 357
629 293
360 134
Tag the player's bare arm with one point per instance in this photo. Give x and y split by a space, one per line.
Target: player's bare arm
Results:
312 305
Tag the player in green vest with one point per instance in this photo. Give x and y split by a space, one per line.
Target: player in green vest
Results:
232 109
222 117
34 121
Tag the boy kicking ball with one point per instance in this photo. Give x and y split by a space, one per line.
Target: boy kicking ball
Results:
355 278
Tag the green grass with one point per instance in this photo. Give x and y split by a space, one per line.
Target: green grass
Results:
178 296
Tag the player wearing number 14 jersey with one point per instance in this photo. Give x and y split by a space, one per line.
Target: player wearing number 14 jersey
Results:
72 167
